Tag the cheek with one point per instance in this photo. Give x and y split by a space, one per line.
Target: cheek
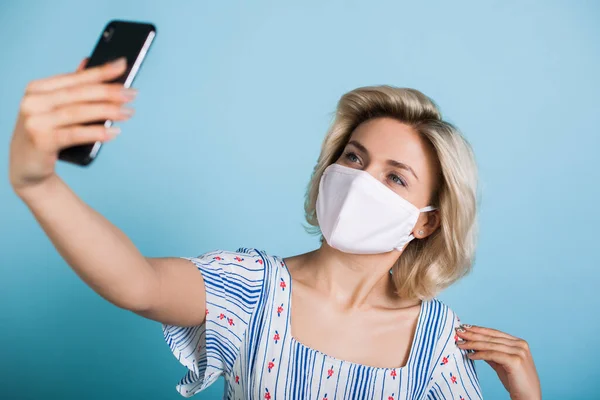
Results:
430 191
417 195
341 160
400 190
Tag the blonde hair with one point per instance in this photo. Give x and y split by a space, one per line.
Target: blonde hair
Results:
428 265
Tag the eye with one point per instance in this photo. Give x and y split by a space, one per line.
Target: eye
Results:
351 157
396 179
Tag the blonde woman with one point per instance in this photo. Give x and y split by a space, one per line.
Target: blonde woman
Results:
393 195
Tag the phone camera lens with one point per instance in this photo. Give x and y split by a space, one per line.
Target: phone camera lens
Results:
108 34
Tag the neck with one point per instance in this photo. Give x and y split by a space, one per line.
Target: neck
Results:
353 280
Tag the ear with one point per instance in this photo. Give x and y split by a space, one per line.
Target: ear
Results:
427 224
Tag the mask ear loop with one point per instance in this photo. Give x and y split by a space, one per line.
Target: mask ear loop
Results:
424 209
411 237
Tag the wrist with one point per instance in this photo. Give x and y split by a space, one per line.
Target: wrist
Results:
34 192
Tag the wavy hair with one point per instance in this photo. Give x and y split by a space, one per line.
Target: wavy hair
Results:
429 265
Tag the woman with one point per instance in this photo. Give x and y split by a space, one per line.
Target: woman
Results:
393 195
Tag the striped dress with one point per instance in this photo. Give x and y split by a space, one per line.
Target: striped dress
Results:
247 339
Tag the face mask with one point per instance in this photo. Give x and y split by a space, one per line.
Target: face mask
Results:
360 215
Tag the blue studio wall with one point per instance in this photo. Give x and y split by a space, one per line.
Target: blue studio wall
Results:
235 98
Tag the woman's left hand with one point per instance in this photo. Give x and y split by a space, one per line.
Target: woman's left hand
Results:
509 356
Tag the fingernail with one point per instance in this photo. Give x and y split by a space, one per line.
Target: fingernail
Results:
113 131
127 111
119 63
129 94
466 326
460 329
460 341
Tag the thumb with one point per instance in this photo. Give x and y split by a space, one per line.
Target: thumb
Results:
492 364
495 366
83 64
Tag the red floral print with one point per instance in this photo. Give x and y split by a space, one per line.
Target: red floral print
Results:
271 365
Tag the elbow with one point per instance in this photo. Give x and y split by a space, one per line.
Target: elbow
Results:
138 299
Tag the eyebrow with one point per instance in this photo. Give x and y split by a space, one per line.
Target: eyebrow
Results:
393 163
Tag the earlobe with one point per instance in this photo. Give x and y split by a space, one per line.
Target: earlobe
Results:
418 234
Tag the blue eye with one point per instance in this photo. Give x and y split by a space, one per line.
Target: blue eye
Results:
396 179
352 157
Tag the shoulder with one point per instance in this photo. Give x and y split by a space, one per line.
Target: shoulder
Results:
242 256
443 320
249 264
441 312
452 373
242 259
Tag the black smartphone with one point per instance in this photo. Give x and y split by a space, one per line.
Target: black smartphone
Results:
127 39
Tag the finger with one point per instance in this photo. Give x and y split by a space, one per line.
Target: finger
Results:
487 346
101 73
83 64
85 113
76 135
472 336
43 102
489 332
497 357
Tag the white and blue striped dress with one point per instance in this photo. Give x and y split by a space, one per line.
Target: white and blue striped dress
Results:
246 338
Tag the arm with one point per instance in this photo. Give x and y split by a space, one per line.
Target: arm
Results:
52 115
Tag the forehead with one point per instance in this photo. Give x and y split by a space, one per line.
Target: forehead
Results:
390 139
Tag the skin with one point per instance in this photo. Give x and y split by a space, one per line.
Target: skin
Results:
333 292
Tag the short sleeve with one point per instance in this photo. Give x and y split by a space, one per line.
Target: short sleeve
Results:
454 376
233 282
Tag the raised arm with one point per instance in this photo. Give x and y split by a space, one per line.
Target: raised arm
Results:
52 116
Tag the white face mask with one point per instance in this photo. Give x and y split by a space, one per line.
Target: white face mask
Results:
360 215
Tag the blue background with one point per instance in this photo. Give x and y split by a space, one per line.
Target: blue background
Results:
234 102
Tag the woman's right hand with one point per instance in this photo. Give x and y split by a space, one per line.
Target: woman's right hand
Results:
53 115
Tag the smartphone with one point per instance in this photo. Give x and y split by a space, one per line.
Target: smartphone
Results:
127 39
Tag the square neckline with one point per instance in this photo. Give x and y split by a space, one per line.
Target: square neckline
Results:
413 346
